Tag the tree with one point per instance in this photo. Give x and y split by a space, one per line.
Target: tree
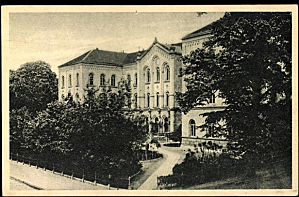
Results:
248 60
32 85
98 132
17 122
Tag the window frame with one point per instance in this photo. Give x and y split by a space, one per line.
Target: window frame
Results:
91 78
113 80
167 73
102 79
70 80
62 81
192 127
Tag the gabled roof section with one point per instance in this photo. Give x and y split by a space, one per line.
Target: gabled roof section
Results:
175 48
200 32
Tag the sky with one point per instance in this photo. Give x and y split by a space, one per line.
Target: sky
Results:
58 37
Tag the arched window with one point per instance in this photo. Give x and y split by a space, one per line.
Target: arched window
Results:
70 80
148 75
157 99
77 80
157 74
148 98
62 82
62 97
167 73
167 99
212 100
136 79
192 127
102 80
113 80
135 100
90 77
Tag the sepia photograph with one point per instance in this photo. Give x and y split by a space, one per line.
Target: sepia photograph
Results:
150 100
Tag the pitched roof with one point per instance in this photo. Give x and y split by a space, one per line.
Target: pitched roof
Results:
177 47
202 31
131 57
113 58
97 56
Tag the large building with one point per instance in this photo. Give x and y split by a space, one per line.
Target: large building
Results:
154 77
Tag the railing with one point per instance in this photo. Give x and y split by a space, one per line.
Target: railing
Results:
73 171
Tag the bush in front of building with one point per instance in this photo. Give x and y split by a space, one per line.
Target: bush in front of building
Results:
98 134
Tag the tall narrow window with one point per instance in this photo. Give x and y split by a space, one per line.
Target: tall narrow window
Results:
70 80
148 100
135 100
192 127
157 99
113 80
167 99
136 79
158 74
90 79
129 79
167 73
77 79
102 80
62 82
148 75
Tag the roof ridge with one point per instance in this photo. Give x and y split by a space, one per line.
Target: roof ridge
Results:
86 55
110 51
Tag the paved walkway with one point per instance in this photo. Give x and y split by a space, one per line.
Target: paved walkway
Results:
171 158
25 177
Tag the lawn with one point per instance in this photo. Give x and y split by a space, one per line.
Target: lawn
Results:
275 176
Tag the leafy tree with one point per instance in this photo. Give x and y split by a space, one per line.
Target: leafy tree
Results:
17 122
248 60
99 132
32 85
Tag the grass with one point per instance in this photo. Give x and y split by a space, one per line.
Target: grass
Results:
276 176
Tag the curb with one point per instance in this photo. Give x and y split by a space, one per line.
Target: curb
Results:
28 184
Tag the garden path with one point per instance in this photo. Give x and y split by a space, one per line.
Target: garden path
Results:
172 157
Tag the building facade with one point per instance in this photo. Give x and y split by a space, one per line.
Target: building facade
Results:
192 130
154 77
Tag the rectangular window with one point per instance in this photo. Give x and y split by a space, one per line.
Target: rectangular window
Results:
70 80
148 100
77 79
